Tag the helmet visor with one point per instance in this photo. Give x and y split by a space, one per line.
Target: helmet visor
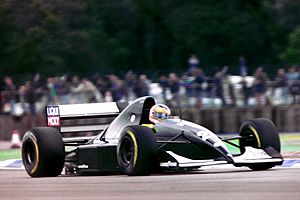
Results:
160 115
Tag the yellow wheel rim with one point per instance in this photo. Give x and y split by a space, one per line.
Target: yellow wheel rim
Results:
131 134
256 136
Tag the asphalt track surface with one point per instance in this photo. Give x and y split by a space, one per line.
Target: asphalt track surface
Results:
227 183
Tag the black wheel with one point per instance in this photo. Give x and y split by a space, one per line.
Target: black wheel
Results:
137 151
43 152
259 133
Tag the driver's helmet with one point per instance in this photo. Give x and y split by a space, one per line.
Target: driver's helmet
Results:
159 112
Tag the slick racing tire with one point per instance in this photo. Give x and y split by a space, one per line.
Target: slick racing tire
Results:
259 133
137 151
43 152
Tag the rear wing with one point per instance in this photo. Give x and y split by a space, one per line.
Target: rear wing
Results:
83 117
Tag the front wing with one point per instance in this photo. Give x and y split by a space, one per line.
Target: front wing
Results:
249 157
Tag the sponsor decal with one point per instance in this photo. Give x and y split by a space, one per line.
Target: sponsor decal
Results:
52 111
83 166
53 118
169 164
53 121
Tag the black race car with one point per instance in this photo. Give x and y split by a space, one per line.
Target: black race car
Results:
130 144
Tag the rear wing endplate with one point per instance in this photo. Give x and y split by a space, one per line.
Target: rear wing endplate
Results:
59 115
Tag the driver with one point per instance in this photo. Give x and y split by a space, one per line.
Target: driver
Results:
159 112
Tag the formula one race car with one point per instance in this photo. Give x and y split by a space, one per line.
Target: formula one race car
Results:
132 144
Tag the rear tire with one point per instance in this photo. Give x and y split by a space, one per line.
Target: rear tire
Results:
137 151
43 152
259 133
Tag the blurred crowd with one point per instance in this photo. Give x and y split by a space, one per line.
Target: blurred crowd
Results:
190 89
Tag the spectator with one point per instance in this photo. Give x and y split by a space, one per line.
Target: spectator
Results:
22 97
30 98
231 91
51 91
218 86
210 90
228 87
115 88
193 63
91 93
174 85
130 81
246 91
10 93
243 67
77 88
293 77
108 96
198 82
293 74
102 84
260 86
142 86
164 84
63 90
187 83
280 87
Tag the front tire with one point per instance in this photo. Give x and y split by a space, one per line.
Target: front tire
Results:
259 133
137 151
43 152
